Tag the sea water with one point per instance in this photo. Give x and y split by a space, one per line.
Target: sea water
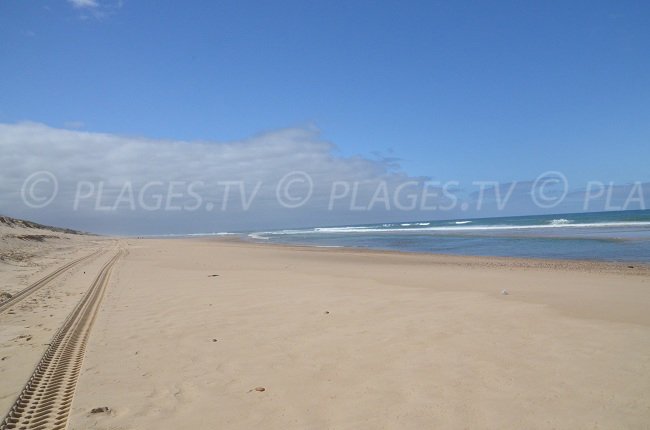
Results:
604 236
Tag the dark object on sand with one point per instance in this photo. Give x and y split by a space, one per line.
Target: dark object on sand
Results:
212 276
100 410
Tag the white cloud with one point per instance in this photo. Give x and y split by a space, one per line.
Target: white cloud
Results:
82 4
103 179
260 162
93 9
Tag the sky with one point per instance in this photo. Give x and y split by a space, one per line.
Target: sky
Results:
454 93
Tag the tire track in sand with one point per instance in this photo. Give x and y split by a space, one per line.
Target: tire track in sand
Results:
23 294
45 401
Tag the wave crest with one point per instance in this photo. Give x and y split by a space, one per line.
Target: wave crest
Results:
560 221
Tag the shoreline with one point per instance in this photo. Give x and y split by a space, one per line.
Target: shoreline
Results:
524 261
639 268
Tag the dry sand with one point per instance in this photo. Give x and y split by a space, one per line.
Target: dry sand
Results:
343 339
27 255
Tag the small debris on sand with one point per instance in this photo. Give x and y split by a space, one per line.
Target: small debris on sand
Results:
100 410
3 358
259 389
504 292
327 312
212 276
214 340
630 267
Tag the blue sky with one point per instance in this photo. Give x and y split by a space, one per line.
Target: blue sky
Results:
455 90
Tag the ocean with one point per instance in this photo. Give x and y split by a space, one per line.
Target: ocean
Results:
604 236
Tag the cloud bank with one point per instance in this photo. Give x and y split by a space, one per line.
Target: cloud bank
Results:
287 178
100 178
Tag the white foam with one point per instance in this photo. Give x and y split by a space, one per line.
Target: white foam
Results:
220 233
560 221
259 236
408 224
330 228
456 228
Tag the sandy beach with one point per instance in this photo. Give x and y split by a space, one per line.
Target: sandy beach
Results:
189 332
